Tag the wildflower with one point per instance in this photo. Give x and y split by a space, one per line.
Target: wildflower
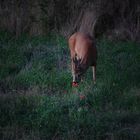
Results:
74 84
82 97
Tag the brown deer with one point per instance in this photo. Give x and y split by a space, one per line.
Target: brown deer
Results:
83 54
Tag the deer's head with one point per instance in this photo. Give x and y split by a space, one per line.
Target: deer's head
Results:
79 68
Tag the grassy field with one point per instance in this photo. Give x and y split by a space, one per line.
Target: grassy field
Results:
37 101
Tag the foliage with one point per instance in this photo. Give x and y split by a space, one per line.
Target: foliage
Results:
116 19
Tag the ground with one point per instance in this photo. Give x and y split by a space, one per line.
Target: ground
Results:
37 100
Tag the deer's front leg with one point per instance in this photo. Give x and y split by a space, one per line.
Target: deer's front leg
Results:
73 71
94 74
74 82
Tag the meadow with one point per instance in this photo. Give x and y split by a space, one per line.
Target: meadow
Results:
37 101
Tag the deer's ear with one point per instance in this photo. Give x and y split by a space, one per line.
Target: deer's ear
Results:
75 60
80 60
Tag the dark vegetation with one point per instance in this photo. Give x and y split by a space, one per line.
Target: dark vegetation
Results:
37 101
119 19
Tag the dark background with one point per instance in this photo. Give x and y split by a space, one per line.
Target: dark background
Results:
119 19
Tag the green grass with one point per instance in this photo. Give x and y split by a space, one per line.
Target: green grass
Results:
38 102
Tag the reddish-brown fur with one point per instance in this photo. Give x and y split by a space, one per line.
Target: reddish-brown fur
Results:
83 54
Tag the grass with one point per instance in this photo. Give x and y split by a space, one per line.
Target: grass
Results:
37 100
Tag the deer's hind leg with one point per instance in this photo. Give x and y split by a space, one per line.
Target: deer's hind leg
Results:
94 74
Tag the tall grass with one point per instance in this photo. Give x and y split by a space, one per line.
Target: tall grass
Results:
38 102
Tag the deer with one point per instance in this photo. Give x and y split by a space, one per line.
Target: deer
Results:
83 54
